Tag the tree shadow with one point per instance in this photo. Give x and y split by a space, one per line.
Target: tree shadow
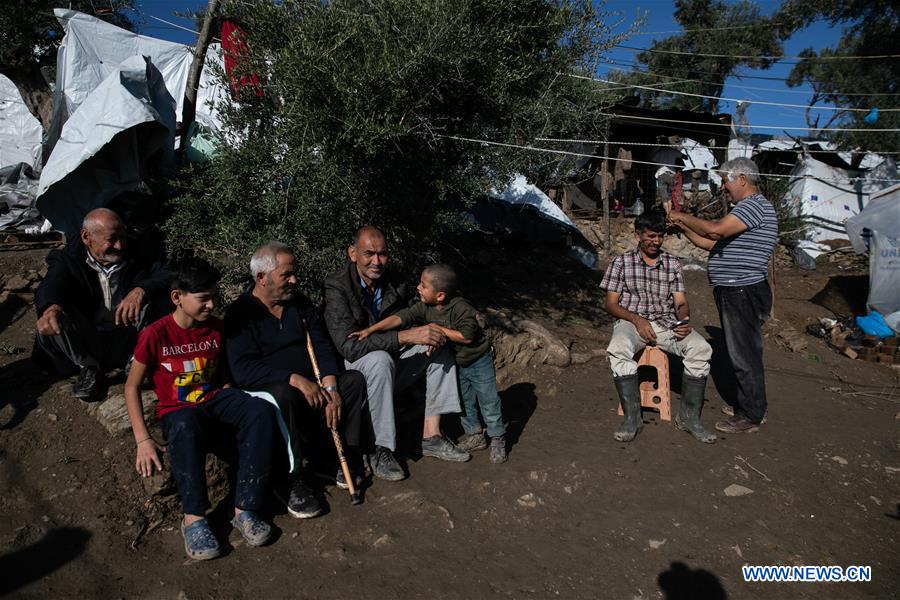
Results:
681 582
721 369
58 547
25 383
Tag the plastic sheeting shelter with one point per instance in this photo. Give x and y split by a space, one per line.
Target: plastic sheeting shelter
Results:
20 132
877 229
122 128
523 211
92 49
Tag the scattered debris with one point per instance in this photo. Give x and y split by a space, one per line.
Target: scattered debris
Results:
655 544
744 460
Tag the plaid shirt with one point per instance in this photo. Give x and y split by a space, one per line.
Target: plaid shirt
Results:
646 291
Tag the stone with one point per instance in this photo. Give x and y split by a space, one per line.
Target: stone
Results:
735 490
529 500
52 417
656 544
839 460
790 338
16 283
113 415
159 484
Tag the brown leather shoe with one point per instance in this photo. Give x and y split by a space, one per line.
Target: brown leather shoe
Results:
736 425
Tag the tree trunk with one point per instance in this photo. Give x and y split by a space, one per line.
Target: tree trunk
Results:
190 93
35 92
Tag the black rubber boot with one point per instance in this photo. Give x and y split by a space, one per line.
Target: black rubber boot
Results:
630 397
688 418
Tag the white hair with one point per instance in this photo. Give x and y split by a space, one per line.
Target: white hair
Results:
741 166
265 259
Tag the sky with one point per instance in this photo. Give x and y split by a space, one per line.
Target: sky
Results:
658 19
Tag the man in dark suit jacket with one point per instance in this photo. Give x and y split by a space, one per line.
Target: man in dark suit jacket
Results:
93 301
359 295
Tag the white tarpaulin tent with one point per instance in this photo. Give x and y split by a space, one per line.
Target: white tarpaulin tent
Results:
20 132
828 195
92 49
879 224
124 125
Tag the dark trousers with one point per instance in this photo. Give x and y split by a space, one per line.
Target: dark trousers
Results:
306 426
742 312
189 432
81 344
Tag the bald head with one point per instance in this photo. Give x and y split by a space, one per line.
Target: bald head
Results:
103 236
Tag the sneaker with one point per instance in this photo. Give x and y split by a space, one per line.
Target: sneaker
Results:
341 481
728 409
254 530
472 442
385 466
199 541
736 425
87 384
439 446
498 450
302 503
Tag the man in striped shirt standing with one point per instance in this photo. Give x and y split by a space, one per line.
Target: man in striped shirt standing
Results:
740 245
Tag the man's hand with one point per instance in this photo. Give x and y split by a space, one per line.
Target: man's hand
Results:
333 409
427 335
682 331
359 335
315 396
129 310
48 324
147 457
644 329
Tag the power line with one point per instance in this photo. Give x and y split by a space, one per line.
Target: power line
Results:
639 162
763 89
650 144
658 119
835 108
752 57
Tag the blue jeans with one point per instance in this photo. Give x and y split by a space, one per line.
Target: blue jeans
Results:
478 389
742 311
188 430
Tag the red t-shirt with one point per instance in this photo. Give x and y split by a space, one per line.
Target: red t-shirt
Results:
183 362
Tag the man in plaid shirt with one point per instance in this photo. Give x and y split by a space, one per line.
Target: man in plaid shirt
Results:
645 293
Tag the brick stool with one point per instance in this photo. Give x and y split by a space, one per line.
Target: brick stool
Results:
655 396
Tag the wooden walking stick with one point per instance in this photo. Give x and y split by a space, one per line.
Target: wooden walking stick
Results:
335 436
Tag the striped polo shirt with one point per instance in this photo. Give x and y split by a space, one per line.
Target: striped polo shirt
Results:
743 259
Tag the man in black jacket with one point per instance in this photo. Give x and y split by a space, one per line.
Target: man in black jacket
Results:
93 301
359 295
266 331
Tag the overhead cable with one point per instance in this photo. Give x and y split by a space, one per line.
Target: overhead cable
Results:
762 89
639 162
643 87
650 144
752 57
659 119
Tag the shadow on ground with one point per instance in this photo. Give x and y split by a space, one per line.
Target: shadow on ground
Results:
681 582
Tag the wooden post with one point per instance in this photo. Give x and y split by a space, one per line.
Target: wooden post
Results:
189 110
604 193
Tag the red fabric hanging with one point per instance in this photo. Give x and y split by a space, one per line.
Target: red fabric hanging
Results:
677 191
234 46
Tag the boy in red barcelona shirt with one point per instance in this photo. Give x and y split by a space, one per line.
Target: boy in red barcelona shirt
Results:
183 354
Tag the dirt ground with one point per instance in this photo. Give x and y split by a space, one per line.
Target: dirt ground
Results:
573 514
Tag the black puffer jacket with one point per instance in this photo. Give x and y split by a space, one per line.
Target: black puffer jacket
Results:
73 284
346 311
